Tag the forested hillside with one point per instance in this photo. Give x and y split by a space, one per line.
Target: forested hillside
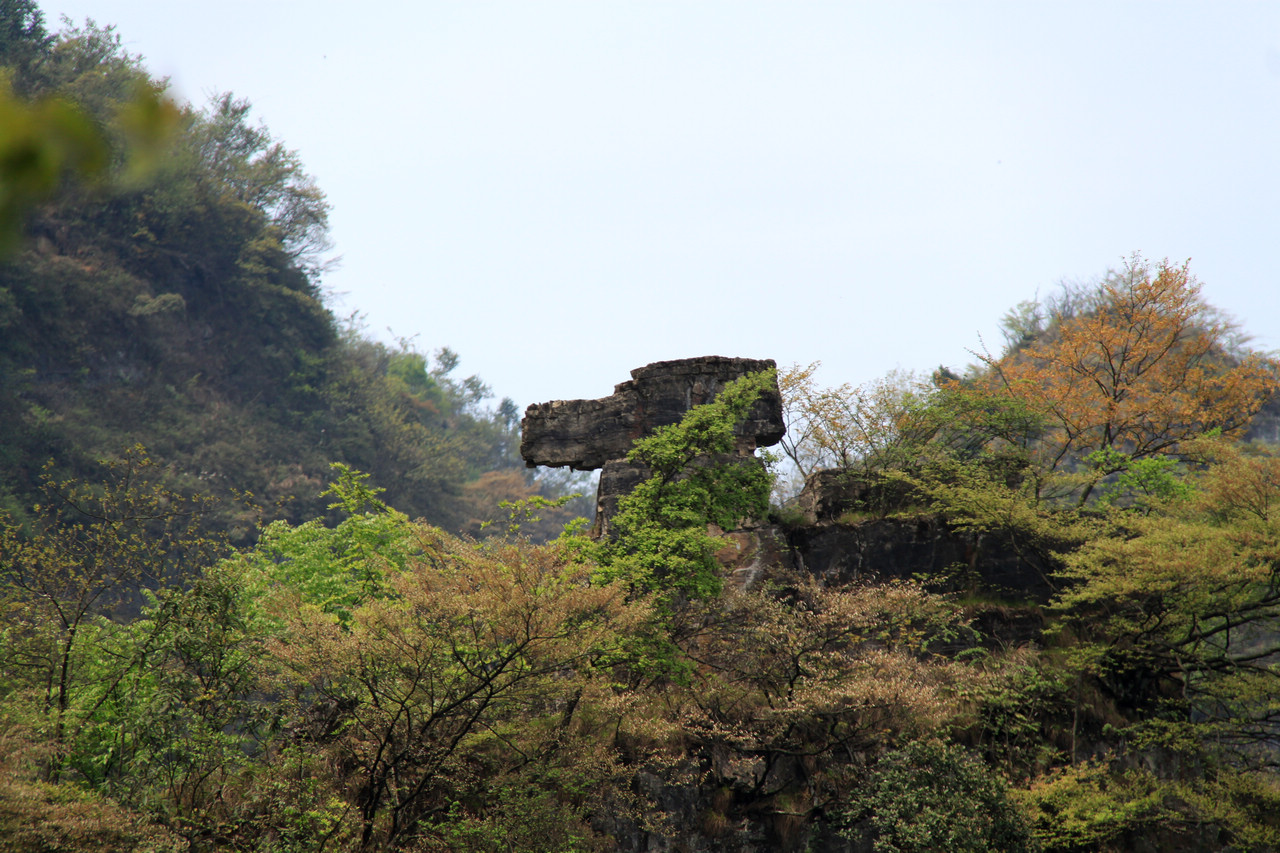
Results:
329 665
182 308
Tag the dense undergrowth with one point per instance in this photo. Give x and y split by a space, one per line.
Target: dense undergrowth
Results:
380 684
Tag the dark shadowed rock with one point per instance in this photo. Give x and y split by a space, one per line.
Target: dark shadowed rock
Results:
830 493
618 477
921 547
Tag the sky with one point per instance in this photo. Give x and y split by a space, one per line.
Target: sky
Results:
561 192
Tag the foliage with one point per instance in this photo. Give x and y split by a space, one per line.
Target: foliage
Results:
45 141
88 550
335 568
1024 709
23 36
933 796
1091 806
1188 598
42 817
374 683
525 818
185 311
899 434
360 685
1142 366
351 679
659 540
1096 388
813 675
431 680
846 427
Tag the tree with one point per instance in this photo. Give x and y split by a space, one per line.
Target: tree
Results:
483 651
790 684
40 144
847 426
61 117
931 795
23 37
659 541
261 172
92 549
1141 367
1188 600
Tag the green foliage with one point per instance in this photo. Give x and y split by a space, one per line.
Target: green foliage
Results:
900 424
522 818
1188 597
357 680
23 37
374 683
524 512
184 310
258 171
480 659
88 551
933 796
54 137
1091 806
1143 483
1019 709
41 817
182 725
660 539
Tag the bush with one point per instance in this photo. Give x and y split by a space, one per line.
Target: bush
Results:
932 796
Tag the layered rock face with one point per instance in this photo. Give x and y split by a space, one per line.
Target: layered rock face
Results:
585 434
589 434
860 527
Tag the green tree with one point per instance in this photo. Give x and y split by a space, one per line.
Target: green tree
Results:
334 569
931 795
259 171
1188 599
75 109
661 538
24 41
92 548
481 653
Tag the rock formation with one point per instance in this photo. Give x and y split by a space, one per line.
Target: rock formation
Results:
590 434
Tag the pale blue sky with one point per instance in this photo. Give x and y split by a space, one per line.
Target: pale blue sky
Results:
564 191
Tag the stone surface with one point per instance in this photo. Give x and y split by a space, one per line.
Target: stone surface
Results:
585 434
618 477
831 493
922 546
589 434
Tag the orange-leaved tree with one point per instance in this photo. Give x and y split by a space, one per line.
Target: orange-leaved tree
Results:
1137 368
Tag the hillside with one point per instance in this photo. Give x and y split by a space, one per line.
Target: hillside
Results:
185 312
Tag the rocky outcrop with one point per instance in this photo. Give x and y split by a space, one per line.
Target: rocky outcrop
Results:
590 434
860 527
829 494
585 434
920 546
854 529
